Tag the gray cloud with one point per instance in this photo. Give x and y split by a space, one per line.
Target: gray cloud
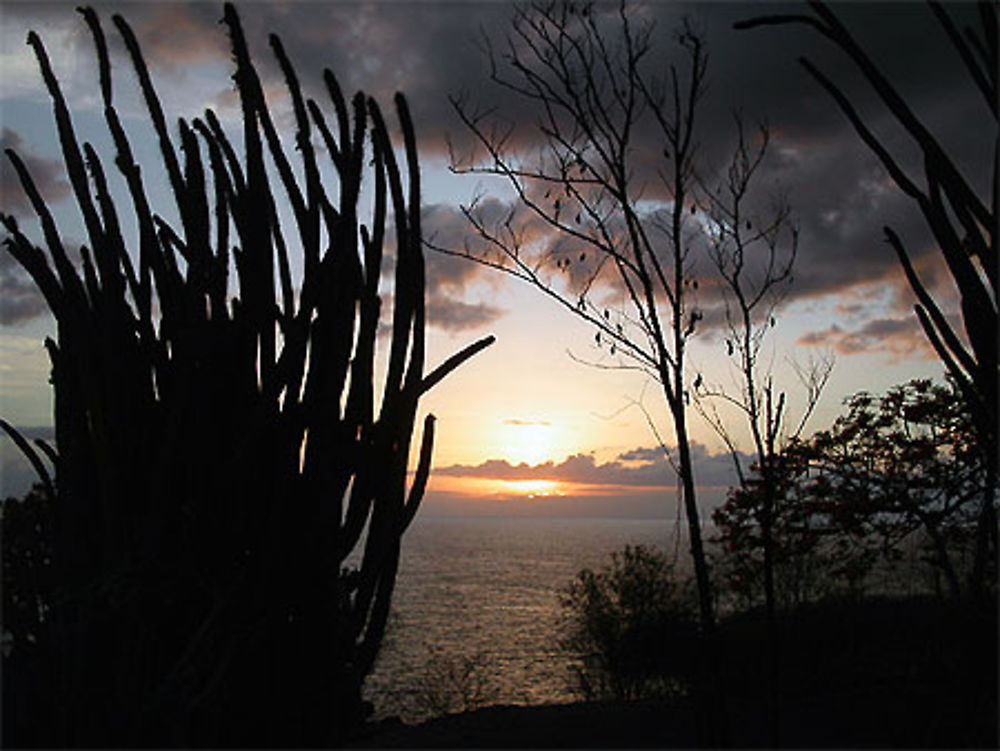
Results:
454 285
840 193
445 312
47 174
455 315
642 455
897 337
20 300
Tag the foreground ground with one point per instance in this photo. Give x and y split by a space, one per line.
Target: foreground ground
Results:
911 673
815 722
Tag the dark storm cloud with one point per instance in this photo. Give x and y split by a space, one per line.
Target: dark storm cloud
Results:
174 35
839 193
640 467
425 50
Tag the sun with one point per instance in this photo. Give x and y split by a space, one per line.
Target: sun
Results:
527 442
531 488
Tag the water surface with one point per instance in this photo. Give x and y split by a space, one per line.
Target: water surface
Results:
483 593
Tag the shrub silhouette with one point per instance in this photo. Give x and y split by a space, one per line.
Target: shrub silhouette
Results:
218 450
451 682
898 474
633 626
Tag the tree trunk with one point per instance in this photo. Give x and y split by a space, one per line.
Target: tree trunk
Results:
767 524
713 692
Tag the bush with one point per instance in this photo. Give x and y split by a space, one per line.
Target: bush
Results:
633 627
451 682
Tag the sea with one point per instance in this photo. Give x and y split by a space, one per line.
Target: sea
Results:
476 617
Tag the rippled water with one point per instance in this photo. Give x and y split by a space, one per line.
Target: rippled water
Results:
484 592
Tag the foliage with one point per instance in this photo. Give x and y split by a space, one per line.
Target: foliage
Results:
633 626
804 567
895 471
905 461
218 450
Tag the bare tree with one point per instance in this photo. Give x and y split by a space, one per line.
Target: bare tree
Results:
754 253
621 211
586 74
962 222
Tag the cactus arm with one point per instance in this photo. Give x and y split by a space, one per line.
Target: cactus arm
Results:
69 279
442 370
32 456
33 260
420 476
67 138
108 262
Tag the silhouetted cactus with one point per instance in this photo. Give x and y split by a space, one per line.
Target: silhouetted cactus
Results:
218 450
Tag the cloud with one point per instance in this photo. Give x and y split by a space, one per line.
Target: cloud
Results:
455 286
48 175
445 226
898 337
455 315
175 35
642 455
20 300
445 312
638 468
840 194
518 421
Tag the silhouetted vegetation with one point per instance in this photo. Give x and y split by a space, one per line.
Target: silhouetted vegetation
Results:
874 530
450 682
210 554
754 253
962 223
186 580
590 75
633 626
898 479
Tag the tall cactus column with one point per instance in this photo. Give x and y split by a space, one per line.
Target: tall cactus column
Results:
221 448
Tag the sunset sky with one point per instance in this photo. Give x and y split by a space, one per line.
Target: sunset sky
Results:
525 426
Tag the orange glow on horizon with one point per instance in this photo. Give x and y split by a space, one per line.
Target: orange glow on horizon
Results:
531 488
485 488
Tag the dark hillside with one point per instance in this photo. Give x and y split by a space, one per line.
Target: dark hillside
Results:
910 673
